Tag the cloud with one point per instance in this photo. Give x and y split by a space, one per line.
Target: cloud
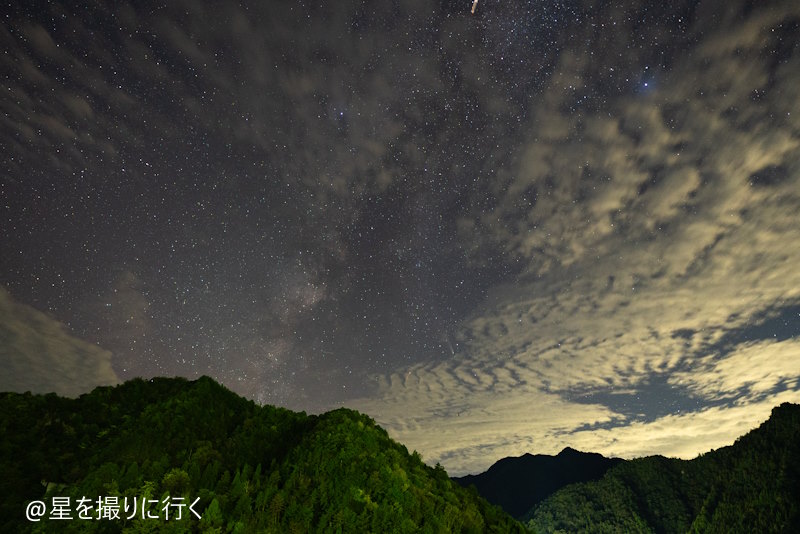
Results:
466 429
671 208
40 356
589 180
466 418
750 372
280 185
681 435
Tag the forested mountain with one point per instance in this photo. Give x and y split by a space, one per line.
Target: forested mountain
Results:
254 469
266 469
750 486
517 484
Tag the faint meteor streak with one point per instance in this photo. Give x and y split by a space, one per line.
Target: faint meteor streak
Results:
474 5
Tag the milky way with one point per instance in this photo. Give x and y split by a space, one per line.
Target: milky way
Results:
538 225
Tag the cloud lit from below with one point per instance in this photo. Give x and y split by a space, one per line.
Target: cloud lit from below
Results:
547 224
657 310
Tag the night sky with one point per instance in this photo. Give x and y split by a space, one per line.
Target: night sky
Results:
549 223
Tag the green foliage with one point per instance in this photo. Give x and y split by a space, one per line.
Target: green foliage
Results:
255 469
752 486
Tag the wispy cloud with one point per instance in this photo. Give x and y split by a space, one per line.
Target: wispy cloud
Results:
40 355
652 228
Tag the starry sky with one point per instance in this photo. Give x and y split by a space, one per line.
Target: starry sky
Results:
544 224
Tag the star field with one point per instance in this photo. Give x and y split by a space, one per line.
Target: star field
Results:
439 218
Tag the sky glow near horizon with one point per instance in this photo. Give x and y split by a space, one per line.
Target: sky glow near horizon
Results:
547 224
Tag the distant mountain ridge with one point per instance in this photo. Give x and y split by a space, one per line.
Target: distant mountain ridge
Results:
750 486
517 484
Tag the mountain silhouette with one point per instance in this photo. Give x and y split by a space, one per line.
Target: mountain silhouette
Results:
750 486
516 484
